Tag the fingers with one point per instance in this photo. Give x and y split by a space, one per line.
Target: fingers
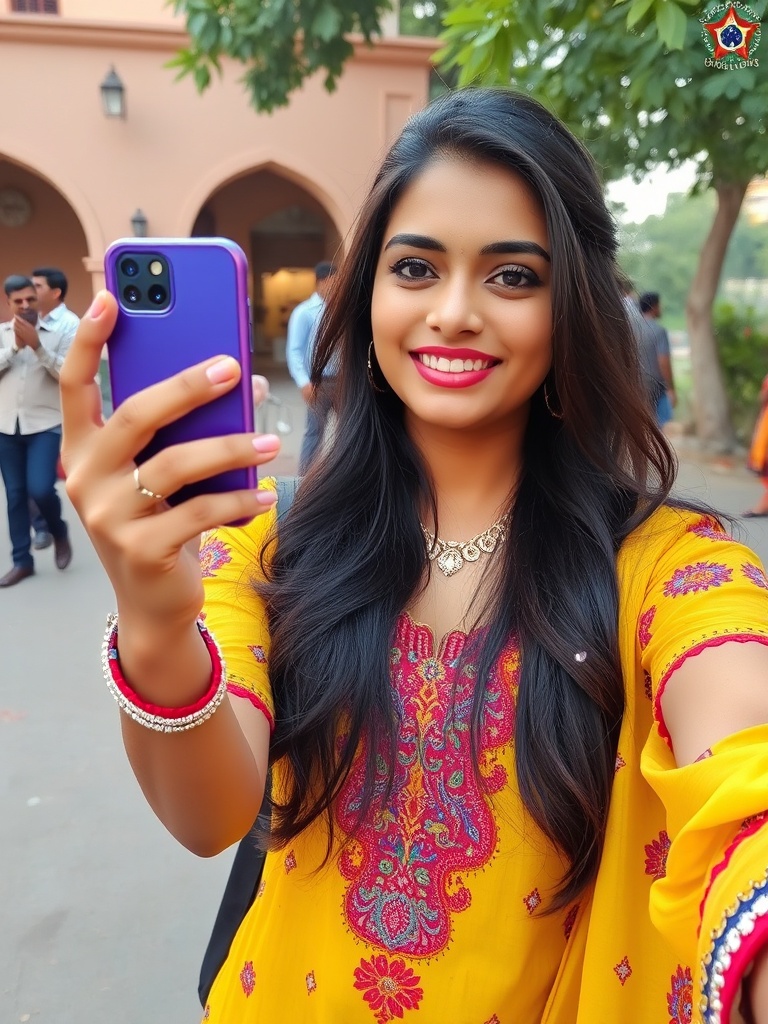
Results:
188 520
77 377
260 389
172 468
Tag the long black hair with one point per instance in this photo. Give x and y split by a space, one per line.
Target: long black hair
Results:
351 554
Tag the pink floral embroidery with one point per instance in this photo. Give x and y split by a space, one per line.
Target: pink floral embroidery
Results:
648 685
214 554
644 627
290 862
258 652
248 977
707 527
755 574
532 900
680 999
311 983
623 971
388 986
406 866
620 763
701 576
570 920
656 856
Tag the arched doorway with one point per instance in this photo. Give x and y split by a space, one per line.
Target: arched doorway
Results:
284 231
38 227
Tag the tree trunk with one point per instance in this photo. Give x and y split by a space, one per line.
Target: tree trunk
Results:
710 403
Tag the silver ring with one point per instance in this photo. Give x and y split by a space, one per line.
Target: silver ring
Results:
145 491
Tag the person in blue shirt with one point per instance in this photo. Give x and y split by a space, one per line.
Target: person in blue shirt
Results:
302 330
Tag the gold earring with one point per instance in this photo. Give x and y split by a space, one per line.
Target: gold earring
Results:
371 379
550 410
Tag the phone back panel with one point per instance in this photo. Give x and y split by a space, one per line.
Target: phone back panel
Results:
207 316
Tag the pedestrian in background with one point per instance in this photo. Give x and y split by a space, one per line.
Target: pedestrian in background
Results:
51 286
302 333
758 454
510 693
658 339
31 356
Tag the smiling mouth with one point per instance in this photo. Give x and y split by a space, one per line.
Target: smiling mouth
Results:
454 365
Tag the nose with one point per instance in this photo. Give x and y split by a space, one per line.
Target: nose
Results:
454 311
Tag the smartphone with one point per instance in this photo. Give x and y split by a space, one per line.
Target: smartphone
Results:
182 300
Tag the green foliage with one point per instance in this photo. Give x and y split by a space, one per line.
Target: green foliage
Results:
743 344
279 42
421 17
637 95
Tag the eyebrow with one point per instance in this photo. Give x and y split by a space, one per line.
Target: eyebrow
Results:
493 249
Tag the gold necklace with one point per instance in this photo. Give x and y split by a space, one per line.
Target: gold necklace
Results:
452 554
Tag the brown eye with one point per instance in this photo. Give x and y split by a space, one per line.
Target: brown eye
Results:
413 270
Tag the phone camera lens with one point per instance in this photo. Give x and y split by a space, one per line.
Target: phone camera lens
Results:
130 268
157 294
132 294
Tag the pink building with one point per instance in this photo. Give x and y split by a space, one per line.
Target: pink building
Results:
285 186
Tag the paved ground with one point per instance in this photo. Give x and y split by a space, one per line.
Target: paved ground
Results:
104 916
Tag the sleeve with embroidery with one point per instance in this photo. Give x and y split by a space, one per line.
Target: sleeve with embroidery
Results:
234 612
707 590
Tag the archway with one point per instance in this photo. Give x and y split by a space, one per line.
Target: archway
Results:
38 227
285 231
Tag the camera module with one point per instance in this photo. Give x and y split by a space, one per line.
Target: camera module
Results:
129 267
132 294
157 294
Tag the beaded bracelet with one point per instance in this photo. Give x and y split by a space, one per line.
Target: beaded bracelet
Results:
154 716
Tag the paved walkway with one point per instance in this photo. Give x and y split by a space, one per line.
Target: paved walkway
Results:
104 916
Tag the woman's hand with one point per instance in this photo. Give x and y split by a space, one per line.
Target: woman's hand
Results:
150 550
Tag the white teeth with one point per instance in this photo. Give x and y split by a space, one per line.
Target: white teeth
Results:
453 365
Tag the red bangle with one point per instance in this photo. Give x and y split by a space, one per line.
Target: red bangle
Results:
155 716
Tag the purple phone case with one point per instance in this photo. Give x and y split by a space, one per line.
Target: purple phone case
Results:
208 316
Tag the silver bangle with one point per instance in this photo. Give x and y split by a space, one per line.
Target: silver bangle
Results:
171 721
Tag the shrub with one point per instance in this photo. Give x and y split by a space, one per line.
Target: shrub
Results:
742 342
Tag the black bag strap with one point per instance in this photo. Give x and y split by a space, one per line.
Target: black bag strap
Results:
248 865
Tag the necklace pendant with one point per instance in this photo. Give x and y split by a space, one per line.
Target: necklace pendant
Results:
471 551
450 561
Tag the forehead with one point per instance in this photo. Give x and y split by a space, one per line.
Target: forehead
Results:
466 202
37 280
21 294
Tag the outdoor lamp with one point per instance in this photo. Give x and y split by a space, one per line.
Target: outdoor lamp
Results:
113 95
139 223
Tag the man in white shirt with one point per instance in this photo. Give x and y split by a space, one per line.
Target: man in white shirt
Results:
302 330
51 286
31 357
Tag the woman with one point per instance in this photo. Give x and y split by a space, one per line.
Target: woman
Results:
553 813
758 455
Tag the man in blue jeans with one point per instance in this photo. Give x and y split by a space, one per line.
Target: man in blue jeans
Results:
31 357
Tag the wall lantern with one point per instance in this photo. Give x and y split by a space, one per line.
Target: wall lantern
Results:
139 223
113 95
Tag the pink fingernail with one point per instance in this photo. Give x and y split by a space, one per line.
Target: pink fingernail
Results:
97 306
225 369
266 442
266 497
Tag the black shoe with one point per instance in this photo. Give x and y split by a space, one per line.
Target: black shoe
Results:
16 575
42 539
62 551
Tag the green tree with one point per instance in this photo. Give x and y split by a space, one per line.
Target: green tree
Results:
631 80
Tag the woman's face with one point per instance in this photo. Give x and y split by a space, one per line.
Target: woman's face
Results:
461 310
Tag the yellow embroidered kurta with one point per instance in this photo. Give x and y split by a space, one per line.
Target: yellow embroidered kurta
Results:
430 915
